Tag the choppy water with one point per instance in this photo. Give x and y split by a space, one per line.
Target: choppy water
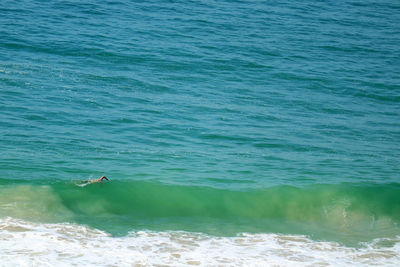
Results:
217 122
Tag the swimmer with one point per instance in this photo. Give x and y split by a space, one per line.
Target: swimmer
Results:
96 180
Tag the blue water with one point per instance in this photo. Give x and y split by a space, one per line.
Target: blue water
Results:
261 113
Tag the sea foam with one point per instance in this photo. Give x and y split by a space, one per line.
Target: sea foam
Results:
25 243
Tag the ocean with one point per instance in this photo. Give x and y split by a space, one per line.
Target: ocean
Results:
233 133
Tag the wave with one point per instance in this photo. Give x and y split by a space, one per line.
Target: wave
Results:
349 213
65 244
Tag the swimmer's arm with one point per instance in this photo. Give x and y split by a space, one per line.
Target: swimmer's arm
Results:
101 179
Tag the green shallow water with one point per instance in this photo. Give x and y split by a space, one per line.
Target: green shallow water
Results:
348 213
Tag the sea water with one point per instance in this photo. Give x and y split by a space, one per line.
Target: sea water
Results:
239 133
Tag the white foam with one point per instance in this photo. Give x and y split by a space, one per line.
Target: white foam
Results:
24 243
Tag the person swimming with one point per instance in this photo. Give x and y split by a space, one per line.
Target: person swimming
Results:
92 181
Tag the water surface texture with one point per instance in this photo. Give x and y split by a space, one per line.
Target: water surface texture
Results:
263 124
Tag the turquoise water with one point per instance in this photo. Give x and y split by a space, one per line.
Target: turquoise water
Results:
217 117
